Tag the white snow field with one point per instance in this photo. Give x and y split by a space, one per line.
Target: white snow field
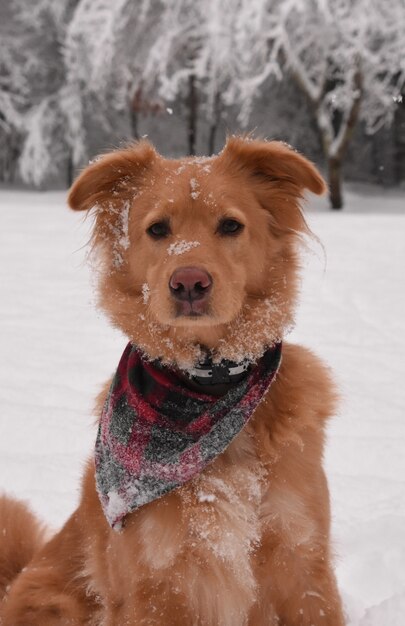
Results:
56 351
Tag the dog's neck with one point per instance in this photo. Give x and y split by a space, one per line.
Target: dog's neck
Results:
212 376
214 389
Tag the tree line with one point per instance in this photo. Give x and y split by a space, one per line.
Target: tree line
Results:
79 75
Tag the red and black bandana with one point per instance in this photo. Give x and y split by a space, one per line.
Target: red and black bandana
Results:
155 434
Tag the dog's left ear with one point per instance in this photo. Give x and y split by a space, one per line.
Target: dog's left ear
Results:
278 174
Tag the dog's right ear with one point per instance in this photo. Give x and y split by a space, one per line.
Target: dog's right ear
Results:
113 175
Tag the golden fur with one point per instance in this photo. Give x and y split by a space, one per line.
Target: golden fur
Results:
256 552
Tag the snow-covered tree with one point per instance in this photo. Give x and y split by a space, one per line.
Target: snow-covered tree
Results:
41 30
170 68
104 48
192 57
89 67
13 99
169 51
346 57
357 71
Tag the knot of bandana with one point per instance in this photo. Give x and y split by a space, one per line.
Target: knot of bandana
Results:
155 433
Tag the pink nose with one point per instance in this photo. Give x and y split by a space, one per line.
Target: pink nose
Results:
190 283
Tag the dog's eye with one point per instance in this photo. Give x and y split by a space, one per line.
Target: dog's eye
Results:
230 227
159 230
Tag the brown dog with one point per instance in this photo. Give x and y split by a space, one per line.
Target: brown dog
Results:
198 255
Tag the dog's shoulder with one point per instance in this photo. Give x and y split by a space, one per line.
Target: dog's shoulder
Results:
305 383
302 397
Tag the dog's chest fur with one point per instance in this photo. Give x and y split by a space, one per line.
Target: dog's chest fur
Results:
221 507
205 535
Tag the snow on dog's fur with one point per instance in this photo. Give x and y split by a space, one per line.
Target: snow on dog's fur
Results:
247 542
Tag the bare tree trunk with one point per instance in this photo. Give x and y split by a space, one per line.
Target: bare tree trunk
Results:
333 140
335 182
214 125
192 115
346 132
134 123
70 169
211 136
13 152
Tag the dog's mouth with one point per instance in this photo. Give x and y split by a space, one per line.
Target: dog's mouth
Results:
191 309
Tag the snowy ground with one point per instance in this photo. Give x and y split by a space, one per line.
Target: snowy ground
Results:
55 351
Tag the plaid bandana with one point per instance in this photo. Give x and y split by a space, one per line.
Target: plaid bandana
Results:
155 433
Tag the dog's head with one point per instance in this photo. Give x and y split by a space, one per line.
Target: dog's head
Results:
198 251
